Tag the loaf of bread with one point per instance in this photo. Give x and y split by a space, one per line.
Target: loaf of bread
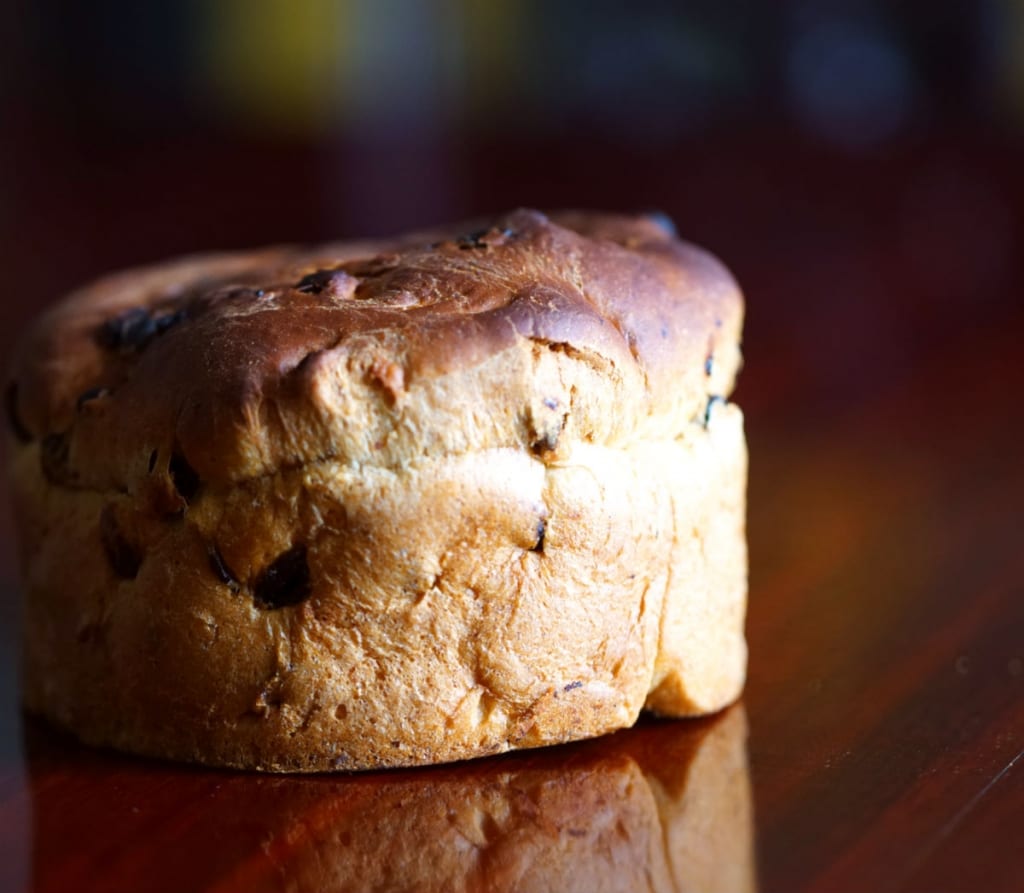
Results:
383 504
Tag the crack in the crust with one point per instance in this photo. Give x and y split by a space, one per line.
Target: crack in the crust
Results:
576 352
270 696
596 361
691 428
638 624
627 336
312 708
435 581
670 564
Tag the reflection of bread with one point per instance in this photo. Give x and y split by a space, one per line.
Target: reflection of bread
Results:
662 812
706 809
385 505
661 807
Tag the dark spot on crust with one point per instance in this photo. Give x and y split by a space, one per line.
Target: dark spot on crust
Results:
221 570
124 558
709 364
89 395
488 237
712 401
472 240
334 283
184 477
315 282
259 293
285 582
663 221
168 320
542 529
572 685
128 328
13 419
53 458
546 442
134 328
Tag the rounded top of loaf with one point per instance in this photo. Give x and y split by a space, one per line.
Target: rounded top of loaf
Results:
225 367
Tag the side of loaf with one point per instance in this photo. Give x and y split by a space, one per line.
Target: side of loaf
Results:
385 504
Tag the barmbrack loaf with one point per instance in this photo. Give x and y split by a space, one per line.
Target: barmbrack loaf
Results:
385 503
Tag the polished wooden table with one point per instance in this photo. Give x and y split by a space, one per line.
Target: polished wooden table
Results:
878 745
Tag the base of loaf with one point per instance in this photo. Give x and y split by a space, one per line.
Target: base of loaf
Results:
522 603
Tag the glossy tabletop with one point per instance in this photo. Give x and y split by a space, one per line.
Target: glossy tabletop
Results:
877 746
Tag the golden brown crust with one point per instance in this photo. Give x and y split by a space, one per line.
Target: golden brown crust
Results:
385 504
246 338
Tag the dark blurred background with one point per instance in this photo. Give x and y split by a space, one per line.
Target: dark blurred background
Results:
858 165
825 149
831 152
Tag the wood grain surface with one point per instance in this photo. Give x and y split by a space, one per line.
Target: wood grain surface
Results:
885 709
879 744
